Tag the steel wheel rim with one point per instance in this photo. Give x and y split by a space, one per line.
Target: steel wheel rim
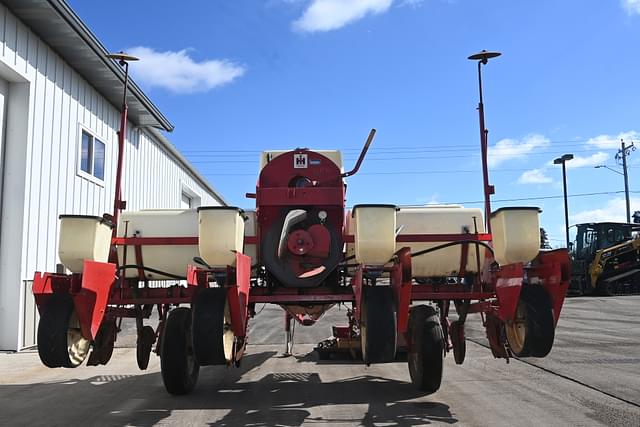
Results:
77 345
228 338
517 330
363 331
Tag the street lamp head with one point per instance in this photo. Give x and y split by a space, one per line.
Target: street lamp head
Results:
561 160
122 57
484 56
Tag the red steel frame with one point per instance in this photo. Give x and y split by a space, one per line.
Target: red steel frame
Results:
96 294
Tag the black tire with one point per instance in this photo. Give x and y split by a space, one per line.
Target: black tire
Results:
143 346
604 288
533 331
60 342
212 333
378 330
177 363
456 333
425 357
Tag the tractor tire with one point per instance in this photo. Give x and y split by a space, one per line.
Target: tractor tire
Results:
177 363
426 354
60 340
212 334
378 330
605 288
532 331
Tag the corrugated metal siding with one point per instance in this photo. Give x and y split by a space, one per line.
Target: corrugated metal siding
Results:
61 104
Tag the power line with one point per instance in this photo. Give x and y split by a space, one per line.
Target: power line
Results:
447 147
524 199
427 172
231 158
528 199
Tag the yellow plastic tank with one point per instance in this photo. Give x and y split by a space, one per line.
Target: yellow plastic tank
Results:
172 259
334 155
440 219
516 234
375 228
221 234
83 238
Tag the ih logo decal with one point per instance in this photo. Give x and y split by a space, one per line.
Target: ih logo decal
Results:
300 161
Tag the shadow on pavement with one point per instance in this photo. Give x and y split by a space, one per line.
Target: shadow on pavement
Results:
221 398
285 399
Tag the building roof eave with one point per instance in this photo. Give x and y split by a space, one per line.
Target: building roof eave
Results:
56 23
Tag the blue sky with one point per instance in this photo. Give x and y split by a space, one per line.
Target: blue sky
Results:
237 77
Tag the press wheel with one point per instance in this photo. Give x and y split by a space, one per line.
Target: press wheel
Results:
532 331
146 338
426 353
60 340
458 341
378 331
177 362
213 337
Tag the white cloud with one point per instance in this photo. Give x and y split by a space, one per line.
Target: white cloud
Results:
584 162
615 210
534 176
177 72
508 149
610 141
631 6
592 160
327 15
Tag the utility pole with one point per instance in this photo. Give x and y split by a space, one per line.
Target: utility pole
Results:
622 154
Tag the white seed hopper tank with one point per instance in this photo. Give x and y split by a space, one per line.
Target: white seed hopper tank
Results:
221 234
374 236
516 234
440 220
437 219
172 259
83 238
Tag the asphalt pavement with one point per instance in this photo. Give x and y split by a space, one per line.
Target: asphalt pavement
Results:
591 377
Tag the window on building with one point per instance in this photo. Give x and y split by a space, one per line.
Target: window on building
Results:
92 155
189 199
186 201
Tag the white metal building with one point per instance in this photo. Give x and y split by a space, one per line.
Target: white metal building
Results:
59 116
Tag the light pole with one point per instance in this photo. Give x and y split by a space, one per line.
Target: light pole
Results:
562 160
483 57
123 59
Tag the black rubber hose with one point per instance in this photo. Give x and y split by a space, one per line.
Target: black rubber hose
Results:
152 270
446 245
